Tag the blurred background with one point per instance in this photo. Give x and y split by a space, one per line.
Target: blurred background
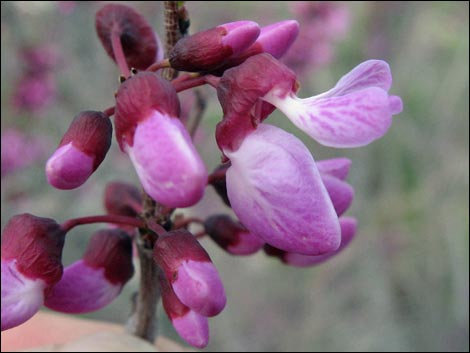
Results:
403 284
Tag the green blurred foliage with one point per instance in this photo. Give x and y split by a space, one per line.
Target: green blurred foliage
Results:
402 284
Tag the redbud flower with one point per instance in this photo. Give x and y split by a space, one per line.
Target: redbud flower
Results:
340 192
190 272
191 326
207 50
81 150
149 131
232 236
98 277
336 167
276 191
137 37
217 180
348 231
357 111
30 265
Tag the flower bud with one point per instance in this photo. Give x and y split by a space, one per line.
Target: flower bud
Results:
191 326
31 264
149 131
122 199
232 236
207 50
81 150
137 37
190 272
98 277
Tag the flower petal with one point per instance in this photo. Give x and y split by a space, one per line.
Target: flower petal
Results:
167 163
193 328
82 289
21 296
199 287
348 231
68 167
341 193
352 120
337 167
276 191
371 73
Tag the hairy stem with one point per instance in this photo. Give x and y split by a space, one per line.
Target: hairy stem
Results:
173 33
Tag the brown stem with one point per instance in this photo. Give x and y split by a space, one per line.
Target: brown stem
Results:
201 103
72 223
173 33
143 322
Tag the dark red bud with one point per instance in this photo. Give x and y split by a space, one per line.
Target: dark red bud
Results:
137 98
91 133
111 249
223 230
137 36
122 199
36 244
174 247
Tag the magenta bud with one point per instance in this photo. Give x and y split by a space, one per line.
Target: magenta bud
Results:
166 161
31 265
96 280
232 236
190 271
122 199
191 326
207 50
81 150
135 33
277 38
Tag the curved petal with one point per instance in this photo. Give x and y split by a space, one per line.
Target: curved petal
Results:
276 191
371 73
193 328
352 120
21 296
82 289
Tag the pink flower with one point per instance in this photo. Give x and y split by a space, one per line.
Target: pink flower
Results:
81 150
149 131
98 277
190 272
31 265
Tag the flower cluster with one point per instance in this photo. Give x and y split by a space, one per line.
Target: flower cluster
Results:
287 204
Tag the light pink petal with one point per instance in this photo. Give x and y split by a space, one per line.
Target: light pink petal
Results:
199 287
348 231
240 35
371 73
82 289
276 191
21 296
68 167
352 120
341 193
193 328
167 163
337 167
